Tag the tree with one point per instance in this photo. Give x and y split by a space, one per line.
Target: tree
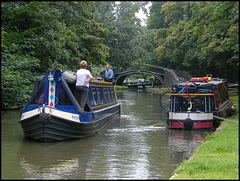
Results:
201 37
156 18
38 35
124 31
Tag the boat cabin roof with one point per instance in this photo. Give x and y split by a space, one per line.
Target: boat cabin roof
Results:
198 86
68 77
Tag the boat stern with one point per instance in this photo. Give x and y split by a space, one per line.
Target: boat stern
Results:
190 120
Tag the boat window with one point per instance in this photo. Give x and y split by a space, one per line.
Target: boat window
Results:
63 98
39 98
99 96
113 94
94 96
110 95
106 96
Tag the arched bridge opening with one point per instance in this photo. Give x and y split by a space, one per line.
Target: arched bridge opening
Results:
119 78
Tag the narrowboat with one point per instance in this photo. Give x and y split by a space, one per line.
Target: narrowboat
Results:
54 114
197 104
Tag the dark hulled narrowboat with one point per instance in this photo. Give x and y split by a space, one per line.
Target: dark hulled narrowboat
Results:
54 114
197 104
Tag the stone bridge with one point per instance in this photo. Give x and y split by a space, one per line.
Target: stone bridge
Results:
119 78
166 76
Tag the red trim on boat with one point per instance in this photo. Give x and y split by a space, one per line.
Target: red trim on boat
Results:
176 124
179 124
203 124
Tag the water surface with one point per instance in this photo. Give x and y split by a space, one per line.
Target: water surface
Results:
137 145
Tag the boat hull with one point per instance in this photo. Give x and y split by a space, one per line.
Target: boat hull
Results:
52 128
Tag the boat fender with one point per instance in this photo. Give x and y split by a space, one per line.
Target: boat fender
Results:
58 75
44 118
233 110
188 123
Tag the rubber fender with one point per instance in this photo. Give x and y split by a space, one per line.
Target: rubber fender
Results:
233 109
188 123
44 118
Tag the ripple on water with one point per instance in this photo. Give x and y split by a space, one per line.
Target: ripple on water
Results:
137 129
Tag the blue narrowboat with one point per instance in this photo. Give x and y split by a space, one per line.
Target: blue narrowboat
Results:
54 114
199 103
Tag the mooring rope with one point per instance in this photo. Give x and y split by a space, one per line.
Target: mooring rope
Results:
225 119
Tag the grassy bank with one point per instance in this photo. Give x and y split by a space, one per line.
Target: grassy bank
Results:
218 155
119 87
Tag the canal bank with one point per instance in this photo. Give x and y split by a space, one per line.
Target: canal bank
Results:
218 156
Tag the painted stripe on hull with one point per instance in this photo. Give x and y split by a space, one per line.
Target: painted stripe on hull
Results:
52 111
196 125
104 106
29 114
64 115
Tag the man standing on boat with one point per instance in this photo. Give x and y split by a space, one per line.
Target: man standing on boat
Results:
84 77
108 74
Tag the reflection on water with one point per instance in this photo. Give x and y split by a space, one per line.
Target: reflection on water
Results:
135 146
55 160
182 144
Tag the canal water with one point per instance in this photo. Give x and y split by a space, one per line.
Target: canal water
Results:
137 145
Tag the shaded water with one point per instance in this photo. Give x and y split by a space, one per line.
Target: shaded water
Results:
135 146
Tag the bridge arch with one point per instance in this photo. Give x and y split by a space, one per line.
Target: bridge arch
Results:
122 75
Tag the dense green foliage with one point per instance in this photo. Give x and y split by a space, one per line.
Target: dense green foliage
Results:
200 37
40 35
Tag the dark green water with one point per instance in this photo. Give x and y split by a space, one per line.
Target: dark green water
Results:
135 146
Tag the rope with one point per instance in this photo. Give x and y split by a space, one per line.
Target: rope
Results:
225 119
221 118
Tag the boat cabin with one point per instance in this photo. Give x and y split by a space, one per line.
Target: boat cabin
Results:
205 96
57 90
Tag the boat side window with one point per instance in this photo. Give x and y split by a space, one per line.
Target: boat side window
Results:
99 96
113 94
109 95
39 98
63 98
94 96
105 94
